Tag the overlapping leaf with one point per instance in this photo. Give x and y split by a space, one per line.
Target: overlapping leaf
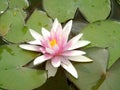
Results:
93 10
3 6
18 4
105 34
38 20
112 79
12 24
91 73
13 76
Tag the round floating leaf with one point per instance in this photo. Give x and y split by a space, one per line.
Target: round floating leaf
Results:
65 9
112 79
18 3
15 23
11 19
5 22
95 10
91 73
105 34
39 19
3 5
13 76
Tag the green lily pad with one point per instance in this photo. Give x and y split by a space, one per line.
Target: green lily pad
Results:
39 19
5 22
12 19
95 10
91 73
105 34
18 3
3 5
112 79
15 24
65 9
13 76
17 27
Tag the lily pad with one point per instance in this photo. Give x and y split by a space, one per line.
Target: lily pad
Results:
39 19
12 24
91 73
56 9
3 5
92 10
95 10
13 76
112 79
15 24
5 22
18 3
105 34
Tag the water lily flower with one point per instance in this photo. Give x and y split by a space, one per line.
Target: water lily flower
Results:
56 49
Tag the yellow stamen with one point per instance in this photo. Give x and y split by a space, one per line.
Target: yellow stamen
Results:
53 43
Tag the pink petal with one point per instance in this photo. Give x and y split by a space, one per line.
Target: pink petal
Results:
56 61
73 41
67 65
45 32
73 53
67 29
30 47
56 29
80 59
35 42
43 50
35 35
41 59
55 24
50 51
79 44
51 70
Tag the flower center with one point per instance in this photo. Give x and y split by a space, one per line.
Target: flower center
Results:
53 43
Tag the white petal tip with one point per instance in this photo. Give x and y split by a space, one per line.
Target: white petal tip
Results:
56 65
31 30
87 60
22 46
50 75
70 22
75 76
56 19
35 62
81 34
90 60
88 42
